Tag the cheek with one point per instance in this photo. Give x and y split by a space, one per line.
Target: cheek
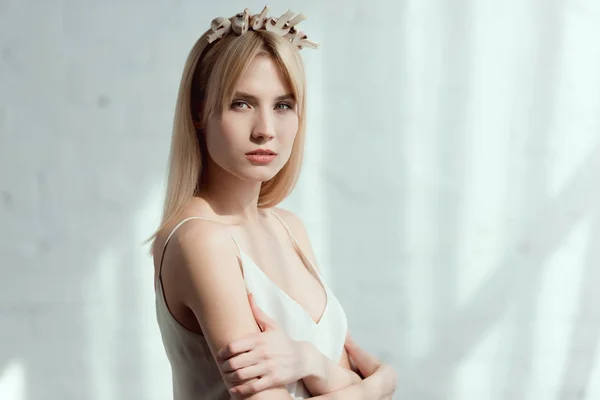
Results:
289 129
222 139
218 146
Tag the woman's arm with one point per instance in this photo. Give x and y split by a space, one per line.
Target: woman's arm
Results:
202 260
276 359
323 374
380 385
271 358
380 381
371 388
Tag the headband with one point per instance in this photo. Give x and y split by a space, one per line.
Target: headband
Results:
242 22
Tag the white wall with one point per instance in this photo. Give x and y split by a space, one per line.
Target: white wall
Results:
450 189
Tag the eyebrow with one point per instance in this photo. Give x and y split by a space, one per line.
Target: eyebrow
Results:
248 96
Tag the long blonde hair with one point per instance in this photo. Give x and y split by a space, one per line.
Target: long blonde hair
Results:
207 85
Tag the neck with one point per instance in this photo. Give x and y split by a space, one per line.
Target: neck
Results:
231 197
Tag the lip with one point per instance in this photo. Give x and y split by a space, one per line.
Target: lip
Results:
262 152
261 159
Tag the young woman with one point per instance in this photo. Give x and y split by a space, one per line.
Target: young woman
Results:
242 308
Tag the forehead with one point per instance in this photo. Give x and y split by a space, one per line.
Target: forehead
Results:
262 78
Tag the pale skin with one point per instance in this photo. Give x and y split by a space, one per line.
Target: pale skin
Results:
201 274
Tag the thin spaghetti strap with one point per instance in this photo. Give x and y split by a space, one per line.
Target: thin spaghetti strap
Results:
286 227
300 251
242 262
238 246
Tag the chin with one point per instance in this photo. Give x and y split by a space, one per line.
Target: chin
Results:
257 174
264 176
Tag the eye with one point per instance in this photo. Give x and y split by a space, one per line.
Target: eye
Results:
287 106
238 105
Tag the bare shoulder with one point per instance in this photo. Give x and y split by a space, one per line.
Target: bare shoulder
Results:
298 228
203 251
293 221
200 224
287 215
188 243
196 241
199 231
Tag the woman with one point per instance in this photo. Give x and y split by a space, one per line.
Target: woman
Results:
241 306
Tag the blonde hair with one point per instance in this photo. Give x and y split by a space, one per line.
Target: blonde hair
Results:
207 85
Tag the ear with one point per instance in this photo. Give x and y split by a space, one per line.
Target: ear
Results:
197 124
197 117
196 109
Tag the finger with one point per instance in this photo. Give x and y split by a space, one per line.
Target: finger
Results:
351 346
242 345
389 379
243 374
365 362
350 359
254 386
349 341
240 361
263 320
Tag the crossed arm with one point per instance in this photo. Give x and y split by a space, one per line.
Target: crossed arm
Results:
276 359
205 266
289 361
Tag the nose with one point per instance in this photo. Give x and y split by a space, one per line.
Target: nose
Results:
264 126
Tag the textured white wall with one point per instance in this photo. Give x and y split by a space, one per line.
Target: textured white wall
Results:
450 189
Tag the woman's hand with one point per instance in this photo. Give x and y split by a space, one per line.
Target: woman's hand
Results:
379 377
270 356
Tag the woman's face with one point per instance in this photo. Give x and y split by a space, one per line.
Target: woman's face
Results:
262 115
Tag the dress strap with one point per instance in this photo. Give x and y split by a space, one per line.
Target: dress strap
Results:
297 245
285 225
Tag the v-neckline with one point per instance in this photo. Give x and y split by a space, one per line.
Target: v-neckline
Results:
286 295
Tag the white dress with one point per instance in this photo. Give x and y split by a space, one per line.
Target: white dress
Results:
194 371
